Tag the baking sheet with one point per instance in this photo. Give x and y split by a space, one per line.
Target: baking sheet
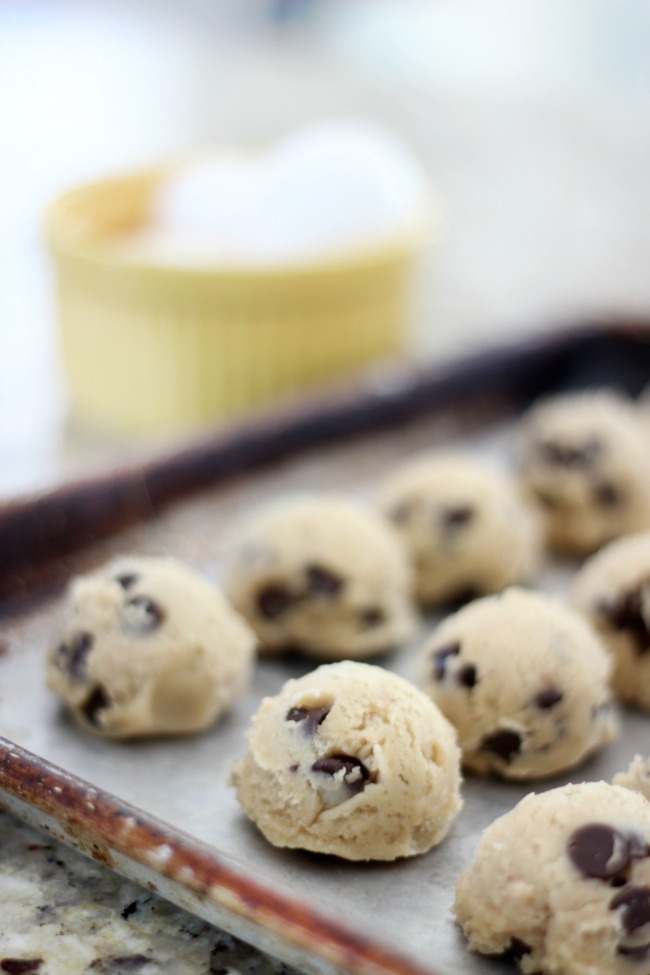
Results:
404 906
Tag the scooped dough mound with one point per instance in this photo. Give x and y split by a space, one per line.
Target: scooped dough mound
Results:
525 681
323 575
148 647
585 460
469 530
612 590
350 760
561 884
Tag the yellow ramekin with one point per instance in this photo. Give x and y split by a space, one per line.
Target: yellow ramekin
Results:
160 349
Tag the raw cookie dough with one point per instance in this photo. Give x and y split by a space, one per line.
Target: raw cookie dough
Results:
351 760
585 459
613 591
148 647
324 575
524 680
637 776
467 527
561 883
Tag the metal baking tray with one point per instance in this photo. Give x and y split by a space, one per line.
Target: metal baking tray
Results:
176 827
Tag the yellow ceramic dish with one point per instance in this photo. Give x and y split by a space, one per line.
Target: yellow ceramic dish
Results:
151 348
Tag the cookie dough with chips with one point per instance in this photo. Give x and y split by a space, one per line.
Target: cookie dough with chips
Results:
351 760
468 529
585 459
148 647
561 883
613 591
524 680
322 575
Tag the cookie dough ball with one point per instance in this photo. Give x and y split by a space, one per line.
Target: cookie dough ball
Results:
636 777
613 591
524 680
148 647
468 529
585 459
562 883
323 575
351 760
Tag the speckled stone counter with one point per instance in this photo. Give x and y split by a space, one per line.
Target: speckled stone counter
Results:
62 914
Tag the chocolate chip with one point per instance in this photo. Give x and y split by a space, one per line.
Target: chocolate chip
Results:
294 649
372 616
323 582
127 579
98 700
143 614
598 851
452 519
564 455
355 773
273 601
548 698
78 650
634 952
635 902
467 675
608 495
20 966
294 767
625 613
309 718
504 743
440 659
464 594
516 950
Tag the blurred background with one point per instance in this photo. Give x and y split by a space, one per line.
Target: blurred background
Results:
531 120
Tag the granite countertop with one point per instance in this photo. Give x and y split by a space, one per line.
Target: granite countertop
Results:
63 913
